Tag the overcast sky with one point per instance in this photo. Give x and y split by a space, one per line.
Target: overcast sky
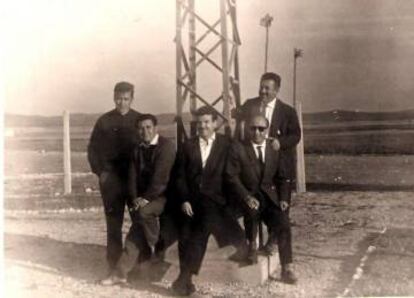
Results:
59 54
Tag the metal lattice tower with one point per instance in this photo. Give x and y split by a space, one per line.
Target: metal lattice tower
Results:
190 55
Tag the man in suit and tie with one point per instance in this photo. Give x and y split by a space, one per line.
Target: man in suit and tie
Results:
199 185
149 173
257 179
284 129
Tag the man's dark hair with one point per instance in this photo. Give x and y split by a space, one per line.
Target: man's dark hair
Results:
272 76
124 87
144 117
206 110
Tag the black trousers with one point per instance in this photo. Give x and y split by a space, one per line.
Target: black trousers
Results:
113 189
209 218
277 222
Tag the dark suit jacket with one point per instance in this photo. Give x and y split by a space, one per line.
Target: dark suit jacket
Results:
163 158
284 126
243 177
193 181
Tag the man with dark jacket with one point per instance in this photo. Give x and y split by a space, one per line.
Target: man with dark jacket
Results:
149 174
200 194
255 177
109 150
284 129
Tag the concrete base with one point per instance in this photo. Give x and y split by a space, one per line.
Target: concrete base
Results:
216 268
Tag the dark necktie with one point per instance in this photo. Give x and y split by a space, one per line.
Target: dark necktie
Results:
261 160
260 157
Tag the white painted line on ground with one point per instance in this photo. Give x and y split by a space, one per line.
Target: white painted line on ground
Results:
359 271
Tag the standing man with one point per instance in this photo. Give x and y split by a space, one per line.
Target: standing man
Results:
256 179
284 127
200 194
109 151
149 174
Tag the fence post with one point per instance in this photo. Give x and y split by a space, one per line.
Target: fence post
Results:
66 154
300 155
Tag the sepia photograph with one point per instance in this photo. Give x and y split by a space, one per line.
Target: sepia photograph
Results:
207 148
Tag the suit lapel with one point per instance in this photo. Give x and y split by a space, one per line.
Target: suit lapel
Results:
251 155
196 152
214 153
270 156
276 118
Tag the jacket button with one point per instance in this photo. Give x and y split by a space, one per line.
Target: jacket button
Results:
273 187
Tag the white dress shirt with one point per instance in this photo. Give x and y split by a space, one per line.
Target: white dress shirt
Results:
154 140
205 148
262 148
269 109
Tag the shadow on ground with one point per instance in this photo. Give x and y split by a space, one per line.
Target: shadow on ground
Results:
84 262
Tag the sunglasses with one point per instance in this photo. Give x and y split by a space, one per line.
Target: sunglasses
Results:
260 128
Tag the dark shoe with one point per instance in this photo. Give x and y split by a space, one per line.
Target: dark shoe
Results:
183 286
288 276
240 255
270 249
113 280
191 288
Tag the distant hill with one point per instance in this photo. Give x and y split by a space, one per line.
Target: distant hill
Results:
76 119
346 116
88 120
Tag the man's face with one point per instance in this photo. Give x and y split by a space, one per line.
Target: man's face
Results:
258 129
123 101
206 126
268 90
146 131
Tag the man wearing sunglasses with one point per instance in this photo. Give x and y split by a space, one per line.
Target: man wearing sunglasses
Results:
256 179
284 130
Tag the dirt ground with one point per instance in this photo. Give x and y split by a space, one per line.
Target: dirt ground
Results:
61 253
352 232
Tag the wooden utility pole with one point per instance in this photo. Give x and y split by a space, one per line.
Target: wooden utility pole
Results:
300 152
66 154
266 22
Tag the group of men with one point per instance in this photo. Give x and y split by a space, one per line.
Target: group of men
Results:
192 194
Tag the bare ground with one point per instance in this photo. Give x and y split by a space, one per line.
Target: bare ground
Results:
62 254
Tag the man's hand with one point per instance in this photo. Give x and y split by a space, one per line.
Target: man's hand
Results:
275 144
187 209
253 203
139 203
284 205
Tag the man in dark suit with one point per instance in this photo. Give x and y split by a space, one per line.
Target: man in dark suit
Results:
109 149
200 193
284 127
149 173
256 178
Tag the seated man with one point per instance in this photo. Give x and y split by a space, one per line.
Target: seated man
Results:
149 173
200 171
257 180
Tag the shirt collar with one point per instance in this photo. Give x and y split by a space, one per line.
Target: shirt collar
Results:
262 144
209 141
272 103
153 142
